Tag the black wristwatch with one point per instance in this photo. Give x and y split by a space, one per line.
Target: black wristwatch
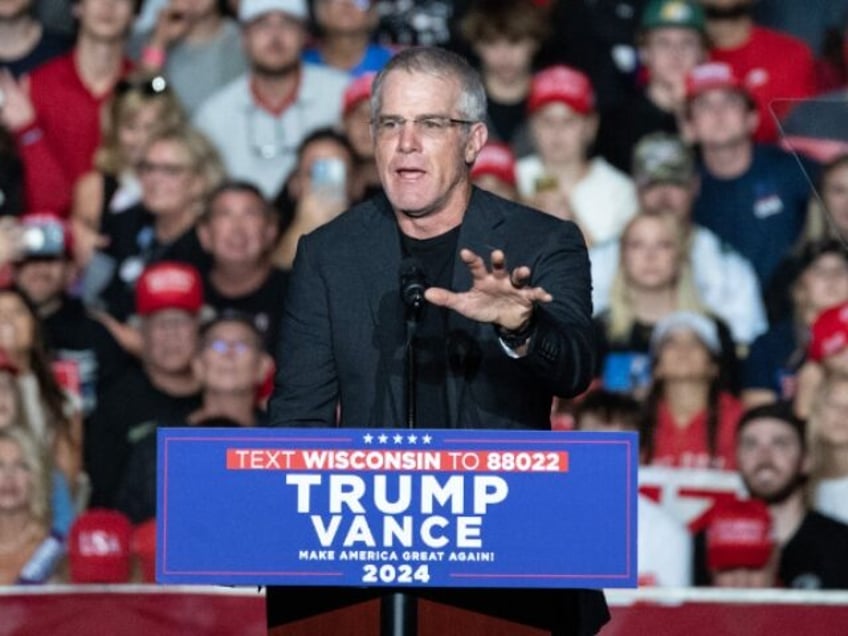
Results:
517 337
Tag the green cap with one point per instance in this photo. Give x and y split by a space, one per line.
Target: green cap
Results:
662 158
683 14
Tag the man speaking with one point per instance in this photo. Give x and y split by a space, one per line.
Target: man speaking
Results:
505 318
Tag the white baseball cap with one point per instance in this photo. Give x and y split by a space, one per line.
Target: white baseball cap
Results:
703 327
251 9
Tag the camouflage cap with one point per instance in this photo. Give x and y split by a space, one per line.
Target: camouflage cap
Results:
683 14
662 157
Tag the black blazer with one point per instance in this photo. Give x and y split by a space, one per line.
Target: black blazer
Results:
343 329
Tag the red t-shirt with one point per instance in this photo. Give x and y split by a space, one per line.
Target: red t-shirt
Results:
687 447
67 124
775 66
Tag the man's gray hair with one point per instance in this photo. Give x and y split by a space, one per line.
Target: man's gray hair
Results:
441 63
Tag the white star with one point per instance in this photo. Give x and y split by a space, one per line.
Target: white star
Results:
368 438
382 438
412 438
398 438
427 439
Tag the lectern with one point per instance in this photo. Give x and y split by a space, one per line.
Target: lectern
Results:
495 521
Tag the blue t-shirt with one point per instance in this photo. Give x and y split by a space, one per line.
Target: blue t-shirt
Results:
374 59
761 212
773 361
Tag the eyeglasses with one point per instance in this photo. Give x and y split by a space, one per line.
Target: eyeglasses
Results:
223 347
155 85
432 126
171 170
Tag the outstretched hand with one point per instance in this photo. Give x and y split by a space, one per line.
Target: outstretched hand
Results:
497 296
16 109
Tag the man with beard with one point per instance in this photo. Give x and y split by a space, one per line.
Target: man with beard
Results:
774 461
258 120
777 67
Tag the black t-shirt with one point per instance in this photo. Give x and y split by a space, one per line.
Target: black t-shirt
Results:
49 46
72 335
622 128
11 183
136 496
816 557
265 304
506 119
132 246
436 256
125 414
598 37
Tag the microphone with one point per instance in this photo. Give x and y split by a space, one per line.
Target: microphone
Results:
412 283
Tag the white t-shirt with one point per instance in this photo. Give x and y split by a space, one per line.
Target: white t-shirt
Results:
831 498
664 547
603 201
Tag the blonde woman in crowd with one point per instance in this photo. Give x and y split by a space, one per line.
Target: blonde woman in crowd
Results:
653 279
828 440
29 553
142 105
178 169
14 415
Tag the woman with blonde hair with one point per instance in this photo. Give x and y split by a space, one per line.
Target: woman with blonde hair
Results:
178 169
142 105
827 437
13 414
653 279
29 552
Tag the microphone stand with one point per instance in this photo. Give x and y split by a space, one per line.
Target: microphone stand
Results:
412 315
399 610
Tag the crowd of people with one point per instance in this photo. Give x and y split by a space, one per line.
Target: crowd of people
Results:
160 160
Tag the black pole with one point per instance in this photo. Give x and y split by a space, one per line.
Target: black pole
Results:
399 610
411 399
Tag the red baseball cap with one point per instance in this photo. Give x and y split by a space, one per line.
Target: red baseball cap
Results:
829 333
739 535
168 285
495 159
561 84
714 76
99 547
356 91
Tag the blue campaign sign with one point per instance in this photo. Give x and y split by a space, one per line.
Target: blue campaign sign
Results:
379 507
